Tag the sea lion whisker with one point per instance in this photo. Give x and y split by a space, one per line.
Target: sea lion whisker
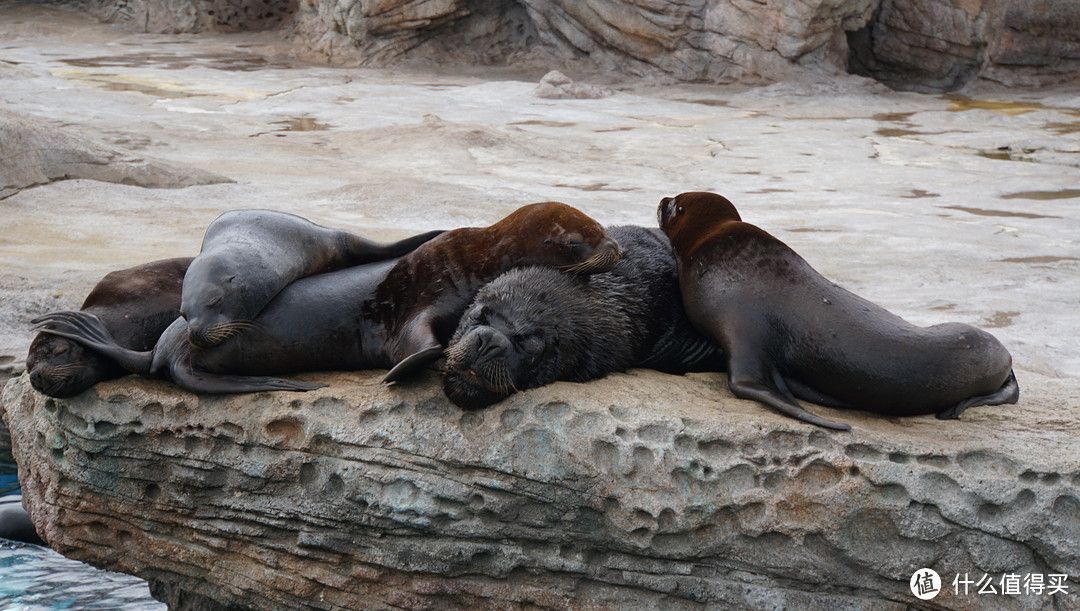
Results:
601 260
67 367
455 352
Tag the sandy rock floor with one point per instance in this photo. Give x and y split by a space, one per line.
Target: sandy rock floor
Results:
938 207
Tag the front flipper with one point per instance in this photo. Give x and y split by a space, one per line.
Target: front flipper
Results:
1008 393
774 393
89 331
804 392
413 363
415 347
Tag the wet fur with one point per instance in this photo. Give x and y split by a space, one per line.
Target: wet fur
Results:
533 326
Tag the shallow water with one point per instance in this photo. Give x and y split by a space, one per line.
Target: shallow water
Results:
34 578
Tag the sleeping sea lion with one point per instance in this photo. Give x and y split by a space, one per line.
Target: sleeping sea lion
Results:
248 256
533 326
135 305
364 316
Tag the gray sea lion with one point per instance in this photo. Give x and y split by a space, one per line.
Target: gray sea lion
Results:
248 256
135 305
533 326
364 316
787 332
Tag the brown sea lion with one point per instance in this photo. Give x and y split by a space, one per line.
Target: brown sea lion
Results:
788 332
364 316
135 305
425 294
248 256
532 326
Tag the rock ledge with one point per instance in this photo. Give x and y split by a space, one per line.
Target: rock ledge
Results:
640 489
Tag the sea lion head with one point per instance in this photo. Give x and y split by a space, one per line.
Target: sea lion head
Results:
560 236
508 340
60 367
687 218
211 301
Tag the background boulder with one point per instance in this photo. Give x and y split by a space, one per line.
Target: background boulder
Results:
907 44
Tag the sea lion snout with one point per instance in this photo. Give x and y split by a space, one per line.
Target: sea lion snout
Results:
477 349
37 377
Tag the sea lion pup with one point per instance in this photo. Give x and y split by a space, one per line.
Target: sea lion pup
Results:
788 332
248 256
350 318
136 305
532 326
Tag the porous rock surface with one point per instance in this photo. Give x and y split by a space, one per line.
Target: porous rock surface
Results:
912 44
641 490
33 153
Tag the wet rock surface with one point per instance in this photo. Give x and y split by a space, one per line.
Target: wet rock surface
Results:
641 489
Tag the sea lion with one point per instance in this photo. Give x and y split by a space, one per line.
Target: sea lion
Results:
15 523
425 294
788 332
364 316
135 304
248 256
532 326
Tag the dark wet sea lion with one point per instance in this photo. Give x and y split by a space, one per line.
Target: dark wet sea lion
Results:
248 256
788 332
532 326
136 305
15 523
349 319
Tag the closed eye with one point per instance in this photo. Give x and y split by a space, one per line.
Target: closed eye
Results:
531 343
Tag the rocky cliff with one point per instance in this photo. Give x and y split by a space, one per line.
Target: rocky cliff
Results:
641 489
910 44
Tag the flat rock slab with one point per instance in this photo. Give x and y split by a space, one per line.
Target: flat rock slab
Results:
34 153
641 489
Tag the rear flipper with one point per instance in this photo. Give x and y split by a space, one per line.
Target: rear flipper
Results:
208 383
363 250
89 331
775 395
1008 393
